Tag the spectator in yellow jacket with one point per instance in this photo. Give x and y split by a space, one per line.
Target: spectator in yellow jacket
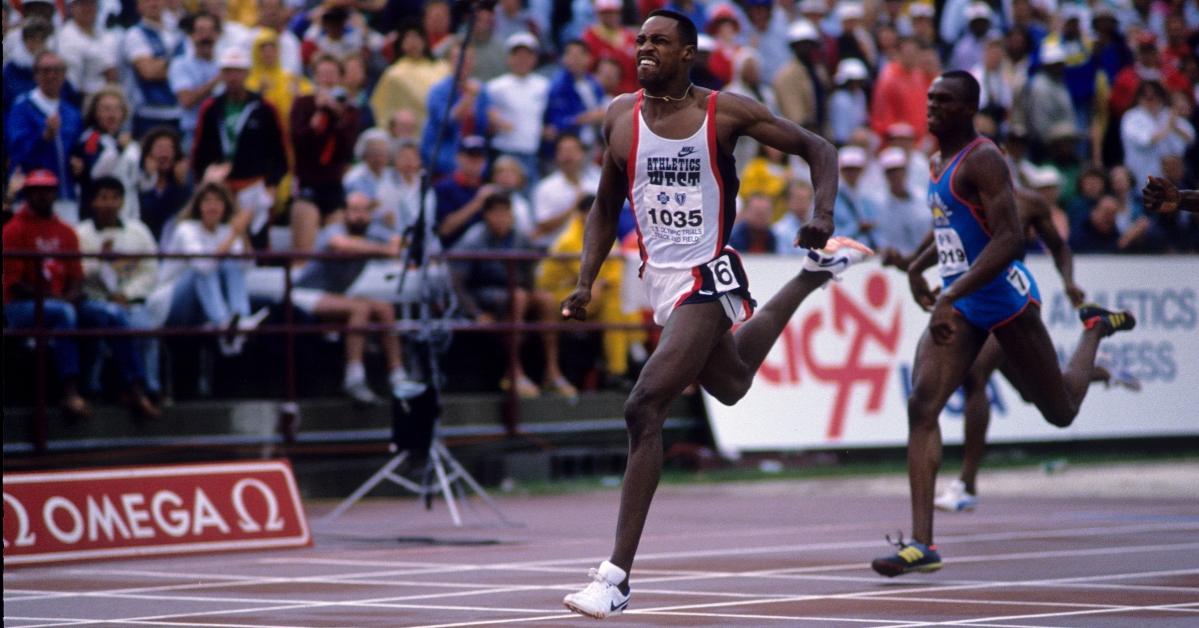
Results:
559 277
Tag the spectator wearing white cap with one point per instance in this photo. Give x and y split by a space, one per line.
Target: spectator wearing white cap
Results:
239 133
968 49
520 99
904 218
956 16
1048 103
89 52
847 107
800 85
855 41
827 27
854 212
902 135
146 52
701 71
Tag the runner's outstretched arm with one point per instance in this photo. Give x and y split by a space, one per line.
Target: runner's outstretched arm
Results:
1040 217
753 119
600 230
1161 195
903 263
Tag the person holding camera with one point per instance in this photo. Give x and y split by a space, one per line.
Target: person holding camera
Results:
324 127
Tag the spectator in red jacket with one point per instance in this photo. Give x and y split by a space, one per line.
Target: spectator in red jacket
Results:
901 92
36 228
609 39
1148 67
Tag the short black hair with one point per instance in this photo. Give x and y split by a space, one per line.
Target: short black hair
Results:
495 200
576 42
687 32
108 182
969 86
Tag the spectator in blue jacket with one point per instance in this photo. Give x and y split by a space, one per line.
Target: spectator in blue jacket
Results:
18 68
576 99
468 115
42 128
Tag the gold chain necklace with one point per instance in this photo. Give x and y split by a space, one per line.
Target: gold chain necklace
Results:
669 98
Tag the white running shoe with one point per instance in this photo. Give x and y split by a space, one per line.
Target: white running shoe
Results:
955 498
251 322
360 392
602 598
839 254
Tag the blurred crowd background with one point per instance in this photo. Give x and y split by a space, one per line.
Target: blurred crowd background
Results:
204 126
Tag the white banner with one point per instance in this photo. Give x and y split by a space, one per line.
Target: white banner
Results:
840 374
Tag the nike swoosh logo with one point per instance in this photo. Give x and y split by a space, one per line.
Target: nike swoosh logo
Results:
616 607
686 150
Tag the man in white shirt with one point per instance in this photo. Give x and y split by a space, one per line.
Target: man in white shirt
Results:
903 217
557 195
90 53
519 98
123 284
194 76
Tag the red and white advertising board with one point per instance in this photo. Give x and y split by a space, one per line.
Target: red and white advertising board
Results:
840 374
90 514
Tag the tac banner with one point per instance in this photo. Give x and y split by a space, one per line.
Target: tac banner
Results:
90 514
840 374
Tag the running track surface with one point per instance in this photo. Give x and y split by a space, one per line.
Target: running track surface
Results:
719 555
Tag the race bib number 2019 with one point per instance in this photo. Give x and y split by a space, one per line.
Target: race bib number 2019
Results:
674 213
951 255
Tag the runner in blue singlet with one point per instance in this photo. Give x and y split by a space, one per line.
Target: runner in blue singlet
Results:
985 290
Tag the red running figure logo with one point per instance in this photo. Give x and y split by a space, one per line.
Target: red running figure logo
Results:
856 325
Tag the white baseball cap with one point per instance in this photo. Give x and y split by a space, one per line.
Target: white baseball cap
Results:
813 6
893 157
607 5
850 11
978 10
1052 53
1043 177
234 58
850 69
521 40
802 30
921 9
851 157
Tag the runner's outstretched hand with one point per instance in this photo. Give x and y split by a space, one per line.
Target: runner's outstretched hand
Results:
575 305
815 234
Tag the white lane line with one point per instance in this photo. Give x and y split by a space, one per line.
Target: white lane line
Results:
1108 530
453 568
826 620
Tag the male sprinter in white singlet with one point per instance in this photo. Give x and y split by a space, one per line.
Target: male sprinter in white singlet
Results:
669 152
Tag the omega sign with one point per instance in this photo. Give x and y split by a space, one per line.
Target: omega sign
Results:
142 511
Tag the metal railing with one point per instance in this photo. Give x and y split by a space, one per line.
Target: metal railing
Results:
289 329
